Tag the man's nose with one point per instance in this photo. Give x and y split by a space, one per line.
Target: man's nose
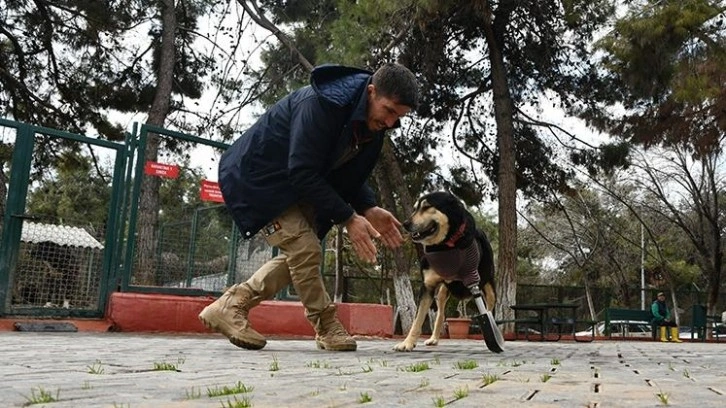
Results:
391 120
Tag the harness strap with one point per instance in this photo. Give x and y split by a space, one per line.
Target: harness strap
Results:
456 236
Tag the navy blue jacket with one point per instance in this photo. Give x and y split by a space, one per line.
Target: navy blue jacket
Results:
288 155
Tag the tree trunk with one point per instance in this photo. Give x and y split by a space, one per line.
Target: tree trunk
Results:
148 216
591 305
716 230
388 174
507 182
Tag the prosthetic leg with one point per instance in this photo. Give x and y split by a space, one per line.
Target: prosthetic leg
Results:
492 336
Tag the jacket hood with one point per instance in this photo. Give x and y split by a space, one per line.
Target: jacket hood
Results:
335 82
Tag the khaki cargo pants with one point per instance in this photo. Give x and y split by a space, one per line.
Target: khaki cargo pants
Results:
299 262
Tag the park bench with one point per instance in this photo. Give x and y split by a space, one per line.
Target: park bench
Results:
701 322
628 315
522 325
548 321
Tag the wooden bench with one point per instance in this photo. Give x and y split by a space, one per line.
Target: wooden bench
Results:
629 315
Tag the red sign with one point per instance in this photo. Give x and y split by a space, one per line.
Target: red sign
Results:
210 192
162 170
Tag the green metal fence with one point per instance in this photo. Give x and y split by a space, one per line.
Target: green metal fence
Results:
199 251
51 265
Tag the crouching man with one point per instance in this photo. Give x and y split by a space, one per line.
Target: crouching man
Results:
300 169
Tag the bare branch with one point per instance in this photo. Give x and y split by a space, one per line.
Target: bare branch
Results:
258 16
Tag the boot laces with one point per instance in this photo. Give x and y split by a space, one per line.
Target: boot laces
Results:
336 329
241 309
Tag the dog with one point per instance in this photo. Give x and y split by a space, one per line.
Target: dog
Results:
451 242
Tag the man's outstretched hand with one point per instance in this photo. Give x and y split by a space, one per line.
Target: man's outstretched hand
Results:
387 226
376 223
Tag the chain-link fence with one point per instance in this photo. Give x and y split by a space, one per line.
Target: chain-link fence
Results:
58 266
205 252
59 206
196 244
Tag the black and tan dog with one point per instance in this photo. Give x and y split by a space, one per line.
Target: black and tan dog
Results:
456 254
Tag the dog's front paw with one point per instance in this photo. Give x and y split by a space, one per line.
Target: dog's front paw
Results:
404 346
433 341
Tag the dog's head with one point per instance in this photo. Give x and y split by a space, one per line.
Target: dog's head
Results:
434 216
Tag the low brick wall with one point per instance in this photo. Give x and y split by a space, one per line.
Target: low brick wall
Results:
137 312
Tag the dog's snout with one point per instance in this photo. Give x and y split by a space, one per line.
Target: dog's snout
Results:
407 225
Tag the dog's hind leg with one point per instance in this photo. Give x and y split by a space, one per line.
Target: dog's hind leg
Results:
490 298
441 297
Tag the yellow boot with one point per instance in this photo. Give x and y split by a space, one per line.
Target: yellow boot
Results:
663 334
674 335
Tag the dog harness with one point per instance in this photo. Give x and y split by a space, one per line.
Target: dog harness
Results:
460 264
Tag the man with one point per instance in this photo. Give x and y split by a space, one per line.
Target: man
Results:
300 169
662 318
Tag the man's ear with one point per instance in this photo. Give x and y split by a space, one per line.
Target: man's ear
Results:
371 89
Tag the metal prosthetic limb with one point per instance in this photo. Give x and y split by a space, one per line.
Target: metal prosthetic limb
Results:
492 336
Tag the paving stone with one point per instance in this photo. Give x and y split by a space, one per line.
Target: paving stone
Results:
117 370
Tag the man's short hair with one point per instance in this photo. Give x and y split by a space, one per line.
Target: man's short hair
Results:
398 83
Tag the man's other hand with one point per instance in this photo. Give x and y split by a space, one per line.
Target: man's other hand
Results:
361 234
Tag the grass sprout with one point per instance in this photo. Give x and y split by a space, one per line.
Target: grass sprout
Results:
245 402
238 388
317 364
275 364
164 366
461 392
95 368
364 397
417 367
466 365
42 397
194 393
489 379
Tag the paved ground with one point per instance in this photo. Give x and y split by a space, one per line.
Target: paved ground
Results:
117 370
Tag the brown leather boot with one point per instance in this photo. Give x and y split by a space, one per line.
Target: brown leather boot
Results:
228 315
331 334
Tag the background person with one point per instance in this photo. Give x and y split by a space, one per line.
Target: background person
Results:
662 319
300 169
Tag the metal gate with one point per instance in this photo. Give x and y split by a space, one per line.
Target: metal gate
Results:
195 252
52 266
